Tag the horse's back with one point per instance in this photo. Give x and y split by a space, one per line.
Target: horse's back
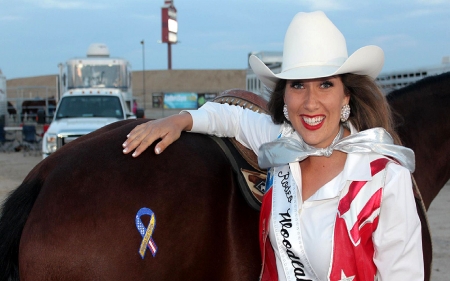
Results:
82 225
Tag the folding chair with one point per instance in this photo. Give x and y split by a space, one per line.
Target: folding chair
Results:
6 144
30 142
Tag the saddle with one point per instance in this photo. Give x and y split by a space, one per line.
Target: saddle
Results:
251 179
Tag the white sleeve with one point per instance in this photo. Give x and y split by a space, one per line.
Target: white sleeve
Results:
398 238
250 128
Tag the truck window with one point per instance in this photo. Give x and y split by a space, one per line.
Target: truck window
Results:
90 106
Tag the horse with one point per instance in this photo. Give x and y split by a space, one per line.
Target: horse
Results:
76 215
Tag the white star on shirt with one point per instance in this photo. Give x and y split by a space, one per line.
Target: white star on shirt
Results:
345 278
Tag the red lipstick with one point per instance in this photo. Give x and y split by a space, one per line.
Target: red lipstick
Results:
312 127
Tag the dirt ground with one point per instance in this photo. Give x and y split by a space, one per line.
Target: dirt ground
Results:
14 166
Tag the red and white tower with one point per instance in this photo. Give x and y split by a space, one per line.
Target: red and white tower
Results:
169 28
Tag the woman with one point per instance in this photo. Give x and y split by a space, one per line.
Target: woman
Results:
339 203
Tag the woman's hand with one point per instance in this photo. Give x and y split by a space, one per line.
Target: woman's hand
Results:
167 129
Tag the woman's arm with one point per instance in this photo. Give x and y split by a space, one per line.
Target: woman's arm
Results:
222 120
249 128
398 238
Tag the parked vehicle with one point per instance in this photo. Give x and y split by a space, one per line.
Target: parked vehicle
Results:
3 100
97 92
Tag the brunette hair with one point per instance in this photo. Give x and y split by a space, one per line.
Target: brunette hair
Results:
369 107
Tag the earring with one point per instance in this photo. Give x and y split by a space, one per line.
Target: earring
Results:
345 112
285 112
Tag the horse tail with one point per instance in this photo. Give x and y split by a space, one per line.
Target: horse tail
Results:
15 211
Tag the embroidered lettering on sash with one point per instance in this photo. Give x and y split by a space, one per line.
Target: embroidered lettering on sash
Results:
146 233
285 185
286 224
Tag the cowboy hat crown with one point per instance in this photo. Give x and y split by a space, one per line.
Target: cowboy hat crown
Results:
315 48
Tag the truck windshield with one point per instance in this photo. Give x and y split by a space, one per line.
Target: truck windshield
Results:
89 106
96 76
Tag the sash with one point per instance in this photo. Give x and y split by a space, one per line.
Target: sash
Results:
286 225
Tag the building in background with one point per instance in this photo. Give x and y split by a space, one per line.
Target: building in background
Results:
273 61
206 84
393 80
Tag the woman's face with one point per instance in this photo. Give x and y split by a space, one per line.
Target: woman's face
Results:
314 108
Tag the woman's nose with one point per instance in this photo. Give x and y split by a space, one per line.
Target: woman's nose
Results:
310 102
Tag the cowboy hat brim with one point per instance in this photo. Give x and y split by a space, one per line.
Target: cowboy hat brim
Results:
367 60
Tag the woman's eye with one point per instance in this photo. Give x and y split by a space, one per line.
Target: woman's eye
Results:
296 85
326 84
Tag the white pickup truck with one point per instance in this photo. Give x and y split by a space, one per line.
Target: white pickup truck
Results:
97 92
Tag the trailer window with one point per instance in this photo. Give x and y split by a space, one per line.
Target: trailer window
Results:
96 76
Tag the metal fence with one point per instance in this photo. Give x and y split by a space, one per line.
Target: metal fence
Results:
24 103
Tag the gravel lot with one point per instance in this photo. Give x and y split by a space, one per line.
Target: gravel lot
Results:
14 166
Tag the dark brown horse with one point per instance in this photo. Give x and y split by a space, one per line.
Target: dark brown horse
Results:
73 217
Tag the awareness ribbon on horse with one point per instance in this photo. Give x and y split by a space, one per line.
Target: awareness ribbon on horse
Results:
146 233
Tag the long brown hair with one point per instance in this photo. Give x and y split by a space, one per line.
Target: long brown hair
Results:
369 108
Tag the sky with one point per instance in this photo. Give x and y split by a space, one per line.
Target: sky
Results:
37 35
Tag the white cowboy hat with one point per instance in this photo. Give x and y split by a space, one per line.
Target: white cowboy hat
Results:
314 48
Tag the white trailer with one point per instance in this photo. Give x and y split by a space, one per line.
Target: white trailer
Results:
96 92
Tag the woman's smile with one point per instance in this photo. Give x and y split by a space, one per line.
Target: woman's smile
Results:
312 122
